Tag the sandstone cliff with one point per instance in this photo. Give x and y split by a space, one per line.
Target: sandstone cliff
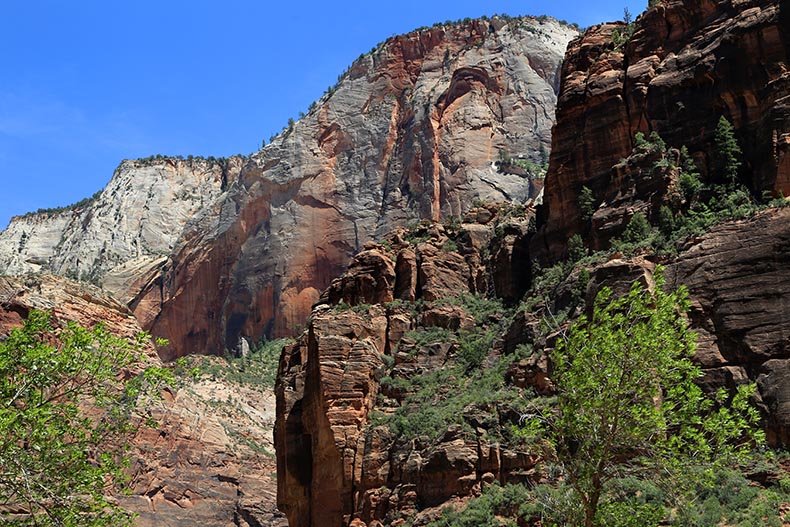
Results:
125 232
363 432
413 130
687 64
384 415
384 411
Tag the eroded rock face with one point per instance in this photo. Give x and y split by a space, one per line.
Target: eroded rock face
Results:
688 63
206 253
199 466
412 132
739 283
125 232
336 468
65 301
210 461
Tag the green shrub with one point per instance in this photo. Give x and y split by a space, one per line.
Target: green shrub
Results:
479 306
454 395
494 508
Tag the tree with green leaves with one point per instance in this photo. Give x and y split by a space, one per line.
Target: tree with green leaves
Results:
728 152
586 203
64 420
628 404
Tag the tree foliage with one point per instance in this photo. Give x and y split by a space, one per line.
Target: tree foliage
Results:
64 418
628 403
728 152
586 203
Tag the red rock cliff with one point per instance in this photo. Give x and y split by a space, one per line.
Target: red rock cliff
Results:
198 466
412 131
688 63
335 465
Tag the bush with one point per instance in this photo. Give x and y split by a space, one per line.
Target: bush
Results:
454 395
491 509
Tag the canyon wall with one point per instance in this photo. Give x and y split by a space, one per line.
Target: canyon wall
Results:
397 319
398 314
344 460
197 465
124 232
412 131
687 64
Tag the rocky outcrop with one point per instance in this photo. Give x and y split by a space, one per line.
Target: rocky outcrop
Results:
210 459
739 283
687 64
198 465
363 355
336 465
414 130
65 301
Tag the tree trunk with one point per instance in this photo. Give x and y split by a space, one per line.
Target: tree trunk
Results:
591 503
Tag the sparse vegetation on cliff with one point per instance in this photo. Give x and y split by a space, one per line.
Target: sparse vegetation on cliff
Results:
692 206
464 393
257 370
79 205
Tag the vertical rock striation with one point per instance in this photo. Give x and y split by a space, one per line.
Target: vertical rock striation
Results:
336 466
687 64
412 131
207 254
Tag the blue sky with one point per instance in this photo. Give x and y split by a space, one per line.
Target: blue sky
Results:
88 83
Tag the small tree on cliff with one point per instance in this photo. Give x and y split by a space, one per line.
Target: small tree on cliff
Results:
627 400
728 152
64 421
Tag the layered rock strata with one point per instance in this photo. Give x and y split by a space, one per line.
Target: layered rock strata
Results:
687 64
414 130
124 233
335 465
338 466
738 276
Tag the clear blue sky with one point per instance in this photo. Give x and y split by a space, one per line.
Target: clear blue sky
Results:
87 83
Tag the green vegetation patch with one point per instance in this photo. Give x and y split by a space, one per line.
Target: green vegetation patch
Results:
454 396
258 370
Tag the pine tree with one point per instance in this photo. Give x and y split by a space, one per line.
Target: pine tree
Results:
728 152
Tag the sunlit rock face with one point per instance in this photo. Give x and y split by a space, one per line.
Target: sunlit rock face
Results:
412 131
124 232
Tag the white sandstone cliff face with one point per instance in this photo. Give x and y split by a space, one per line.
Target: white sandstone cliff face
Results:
411 132
131 226
31 241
